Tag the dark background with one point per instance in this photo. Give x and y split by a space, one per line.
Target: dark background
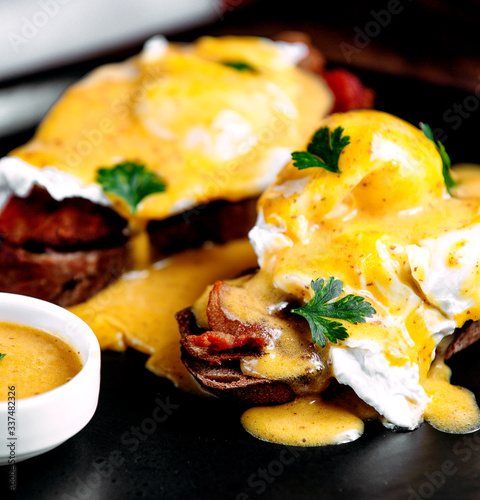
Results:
424 66
424 41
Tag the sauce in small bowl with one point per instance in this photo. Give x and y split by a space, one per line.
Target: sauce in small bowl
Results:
49 376
34 361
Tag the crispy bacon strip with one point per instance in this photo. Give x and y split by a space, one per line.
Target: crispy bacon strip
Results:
227 332
220 341
217 318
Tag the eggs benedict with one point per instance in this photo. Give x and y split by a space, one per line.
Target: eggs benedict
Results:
368 264
164 142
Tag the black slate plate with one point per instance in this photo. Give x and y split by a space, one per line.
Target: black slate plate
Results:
148 440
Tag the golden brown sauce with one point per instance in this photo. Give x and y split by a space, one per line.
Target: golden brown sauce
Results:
35 361
452 409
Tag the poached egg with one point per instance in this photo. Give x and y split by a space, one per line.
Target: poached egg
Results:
216 119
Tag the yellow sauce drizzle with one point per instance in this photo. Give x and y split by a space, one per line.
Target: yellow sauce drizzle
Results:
309 421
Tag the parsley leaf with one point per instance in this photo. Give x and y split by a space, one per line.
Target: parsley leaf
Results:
2 356
323 151
130 181
351 308
447 177
239 65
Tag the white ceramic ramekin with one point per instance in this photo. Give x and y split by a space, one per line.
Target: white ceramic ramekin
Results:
45 421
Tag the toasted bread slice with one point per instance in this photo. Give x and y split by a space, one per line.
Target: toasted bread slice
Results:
62 252
220 374
219 221
63 278
463 338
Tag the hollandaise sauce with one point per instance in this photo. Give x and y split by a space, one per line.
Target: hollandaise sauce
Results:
311 421
35 361
451 408
306 421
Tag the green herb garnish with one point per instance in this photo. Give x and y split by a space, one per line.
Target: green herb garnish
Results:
446 164
2 356
239 65
323 151
351 308
130 181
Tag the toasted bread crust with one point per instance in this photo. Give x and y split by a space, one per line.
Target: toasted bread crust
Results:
218 221
463 338
220 373
60 251
63 278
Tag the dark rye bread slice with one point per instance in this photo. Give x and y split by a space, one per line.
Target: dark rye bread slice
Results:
38 221
63 278
63 252
218 221
463 337
219 372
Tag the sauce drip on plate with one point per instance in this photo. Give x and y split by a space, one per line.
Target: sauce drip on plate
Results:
451 408
306 421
